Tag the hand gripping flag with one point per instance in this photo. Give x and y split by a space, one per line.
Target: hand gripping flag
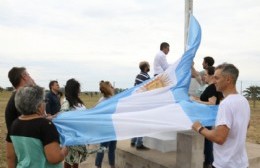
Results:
159 105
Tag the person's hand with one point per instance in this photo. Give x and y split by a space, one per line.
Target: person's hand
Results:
196 126
194 98
64 151
50 117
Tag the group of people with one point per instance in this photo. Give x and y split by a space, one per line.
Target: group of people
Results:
33 141
224 145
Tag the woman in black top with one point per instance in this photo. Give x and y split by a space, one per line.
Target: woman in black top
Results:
210 96
35 140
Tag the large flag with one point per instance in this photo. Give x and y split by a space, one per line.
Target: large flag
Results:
159 105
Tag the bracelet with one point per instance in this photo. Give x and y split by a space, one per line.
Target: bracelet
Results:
200 129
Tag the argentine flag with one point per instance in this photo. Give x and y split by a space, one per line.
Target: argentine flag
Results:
161 104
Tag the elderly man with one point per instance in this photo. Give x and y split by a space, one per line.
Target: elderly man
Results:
229 135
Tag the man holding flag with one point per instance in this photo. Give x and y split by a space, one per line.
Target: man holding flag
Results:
229 135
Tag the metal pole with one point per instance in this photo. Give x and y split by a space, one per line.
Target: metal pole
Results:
188 10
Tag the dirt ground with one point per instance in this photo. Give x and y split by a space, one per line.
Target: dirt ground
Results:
253 132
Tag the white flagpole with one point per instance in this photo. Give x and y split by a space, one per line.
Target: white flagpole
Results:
188 11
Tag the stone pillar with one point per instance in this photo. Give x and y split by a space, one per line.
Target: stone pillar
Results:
189 150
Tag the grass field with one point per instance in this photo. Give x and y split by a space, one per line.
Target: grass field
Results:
253 132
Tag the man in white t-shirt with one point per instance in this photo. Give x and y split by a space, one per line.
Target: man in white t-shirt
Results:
229 135
160 62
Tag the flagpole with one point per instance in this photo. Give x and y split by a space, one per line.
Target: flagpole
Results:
188 11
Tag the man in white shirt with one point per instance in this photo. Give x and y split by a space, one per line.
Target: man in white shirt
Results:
160 62
229 135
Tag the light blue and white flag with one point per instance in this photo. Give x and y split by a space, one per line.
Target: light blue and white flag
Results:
159 105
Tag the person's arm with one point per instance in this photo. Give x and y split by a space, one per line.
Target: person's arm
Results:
195 74
54 154
217 135
48 104
164 63
211 101
10 155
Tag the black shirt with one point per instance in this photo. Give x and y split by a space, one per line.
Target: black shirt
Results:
209 92
11 113
39 128
53 103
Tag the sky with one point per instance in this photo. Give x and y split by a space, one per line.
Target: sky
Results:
93 40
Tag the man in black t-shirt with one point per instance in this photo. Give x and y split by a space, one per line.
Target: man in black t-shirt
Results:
19 77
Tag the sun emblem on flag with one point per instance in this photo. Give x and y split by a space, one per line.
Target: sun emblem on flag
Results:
159 81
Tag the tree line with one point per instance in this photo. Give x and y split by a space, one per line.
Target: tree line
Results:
251 93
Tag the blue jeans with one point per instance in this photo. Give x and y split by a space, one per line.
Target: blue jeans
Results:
111 145
208 150
137 141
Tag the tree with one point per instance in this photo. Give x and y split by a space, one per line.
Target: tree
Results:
119 90
252 93
9 88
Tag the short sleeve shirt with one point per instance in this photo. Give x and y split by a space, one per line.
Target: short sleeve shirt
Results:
29 138
11 114
234 112
209 92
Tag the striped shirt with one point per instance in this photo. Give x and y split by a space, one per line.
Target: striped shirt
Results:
141 77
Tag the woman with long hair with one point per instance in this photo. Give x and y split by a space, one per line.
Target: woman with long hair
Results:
107 90
77 154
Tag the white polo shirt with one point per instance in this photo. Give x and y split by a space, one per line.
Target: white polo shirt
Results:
234 112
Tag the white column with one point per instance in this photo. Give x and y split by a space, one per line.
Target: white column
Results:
188 10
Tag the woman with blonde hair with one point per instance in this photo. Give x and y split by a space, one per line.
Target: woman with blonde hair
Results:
107 90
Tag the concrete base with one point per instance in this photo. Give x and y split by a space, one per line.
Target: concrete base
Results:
163 142
129 157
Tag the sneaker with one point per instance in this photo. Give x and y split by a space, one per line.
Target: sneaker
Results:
207 166
142 147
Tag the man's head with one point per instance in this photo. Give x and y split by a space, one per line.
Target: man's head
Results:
54 86
207 61
144 66
18 76
165 47
225 76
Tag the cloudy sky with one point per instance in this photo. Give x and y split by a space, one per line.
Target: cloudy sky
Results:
93 40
